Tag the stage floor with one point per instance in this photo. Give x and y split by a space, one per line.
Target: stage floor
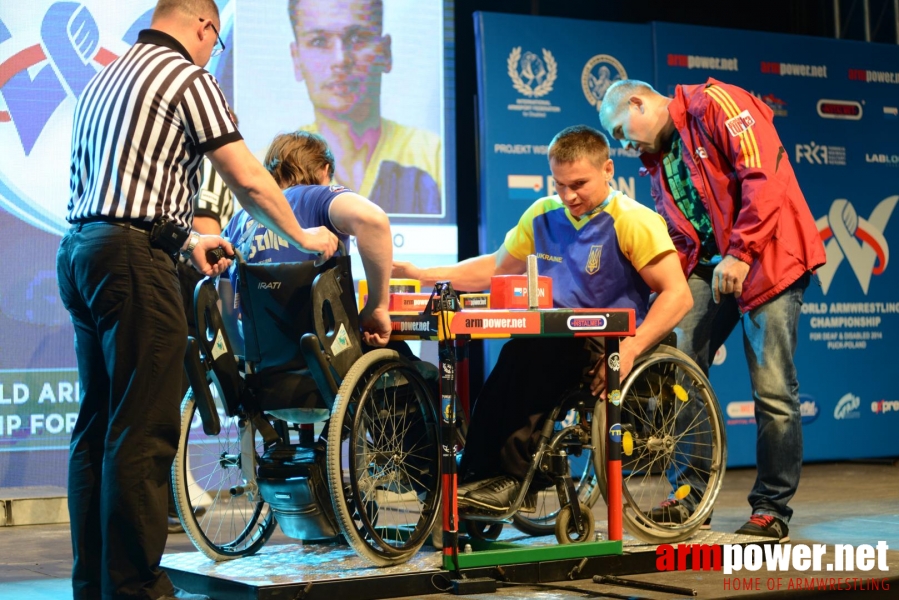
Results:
837 503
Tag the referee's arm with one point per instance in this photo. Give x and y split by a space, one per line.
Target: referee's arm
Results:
258 193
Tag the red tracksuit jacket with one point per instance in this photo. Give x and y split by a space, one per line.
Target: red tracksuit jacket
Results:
743 174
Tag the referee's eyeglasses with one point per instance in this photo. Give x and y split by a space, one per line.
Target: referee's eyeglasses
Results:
219 44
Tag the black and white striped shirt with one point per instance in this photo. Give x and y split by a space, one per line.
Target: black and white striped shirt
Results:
215 199
141 128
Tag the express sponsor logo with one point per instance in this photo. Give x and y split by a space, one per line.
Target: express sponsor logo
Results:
525 187
859 241
720 355
847 407
821 155
712 63
794 69
884 406
849 110
873 76
891 112
591 323
598 74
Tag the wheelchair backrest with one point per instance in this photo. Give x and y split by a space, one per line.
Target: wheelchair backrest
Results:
280 302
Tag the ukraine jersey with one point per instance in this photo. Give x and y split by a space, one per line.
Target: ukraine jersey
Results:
404 175
594 261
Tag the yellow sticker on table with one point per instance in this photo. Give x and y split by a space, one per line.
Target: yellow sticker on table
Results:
627 443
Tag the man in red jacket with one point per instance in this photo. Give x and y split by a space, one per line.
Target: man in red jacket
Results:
747 240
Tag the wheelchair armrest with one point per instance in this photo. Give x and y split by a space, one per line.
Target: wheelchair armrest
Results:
196 374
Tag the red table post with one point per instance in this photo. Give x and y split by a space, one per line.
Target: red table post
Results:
613 437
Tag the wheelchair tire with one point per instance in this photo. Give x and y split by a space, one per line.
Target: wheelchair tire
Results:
566 527
483 531
664 387
221 525
384 458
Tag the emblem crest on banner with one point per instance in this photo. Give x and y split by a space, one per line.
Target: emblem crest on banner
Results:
531 75
598 75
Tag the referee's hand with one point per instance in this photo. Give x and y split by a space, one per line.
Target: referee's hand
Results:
200 259
319 240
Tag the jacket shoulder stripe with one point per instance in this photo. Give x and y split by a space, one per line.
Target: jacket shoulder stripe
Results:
748 143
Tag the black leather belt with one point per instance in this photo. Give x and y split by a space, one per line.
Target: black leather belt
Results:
142 226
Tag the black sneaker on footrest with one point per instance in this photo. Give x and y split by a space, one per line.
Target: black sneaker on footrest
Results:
766 526
672 512
497 495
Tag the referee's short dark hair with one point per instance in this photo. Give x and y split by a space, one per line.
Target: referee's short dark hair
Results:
199 8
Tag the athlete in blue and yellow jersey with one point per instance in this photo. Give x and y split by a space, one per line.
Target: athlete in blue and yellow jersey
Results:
602 249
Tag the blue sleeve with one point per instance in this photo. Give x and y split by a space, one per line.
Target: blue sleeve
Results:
311 203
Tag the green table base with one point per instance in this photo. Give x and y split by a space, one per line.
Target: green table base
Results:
490 554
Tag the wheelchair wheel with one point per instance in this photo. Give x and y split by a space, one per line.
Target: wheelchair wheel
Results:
220 512
543 522
484 531
673 445
384 458
567 527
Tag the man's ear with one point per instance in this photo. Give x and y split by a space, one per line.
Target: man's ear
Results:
608 169
638 103
295 55
387 53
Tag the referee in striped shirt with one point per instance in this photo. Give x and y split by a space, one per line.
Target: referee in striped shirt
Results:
141 129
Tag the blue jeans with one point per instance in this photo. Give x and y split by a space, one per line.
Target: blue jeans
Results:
770 333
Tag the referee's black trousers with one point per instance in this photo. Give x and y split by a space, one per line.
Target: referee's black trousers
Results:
130 337
530 378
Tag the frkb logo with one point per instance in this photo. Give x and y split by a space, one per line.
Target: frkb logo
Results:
821 155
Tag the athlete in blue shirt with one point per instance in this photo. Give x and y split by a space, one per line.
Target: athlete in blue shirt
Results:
303 165
602 250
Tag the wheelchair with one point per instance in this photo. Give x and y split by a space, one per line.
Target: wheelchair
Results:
247 457
673 445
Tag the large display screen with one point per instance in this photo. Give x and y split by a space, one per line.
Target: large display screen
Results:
368 75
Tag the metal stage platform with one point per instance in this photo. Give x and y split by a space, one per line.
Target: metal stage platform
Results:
331 572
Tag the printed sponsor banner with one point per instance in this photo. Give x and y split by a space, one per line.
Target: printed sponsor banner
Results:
833 103
834 106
